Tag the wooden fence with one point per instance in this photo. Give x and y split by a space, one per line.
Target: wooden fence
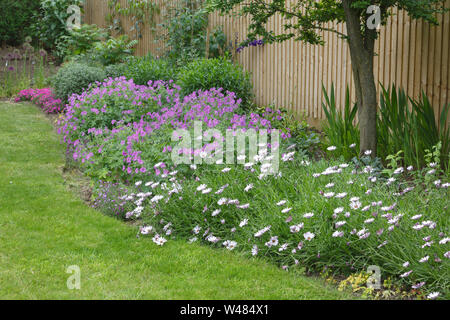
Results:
410 53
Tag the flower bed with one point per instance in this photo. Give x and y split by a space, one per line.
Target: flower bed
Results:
119 130
322 216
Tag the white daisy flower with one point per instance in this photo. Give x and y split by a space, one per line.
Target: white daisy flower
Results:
243 223
309 236
230 245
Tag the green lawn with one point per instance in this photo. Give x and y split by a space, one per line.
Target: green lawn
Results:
44 228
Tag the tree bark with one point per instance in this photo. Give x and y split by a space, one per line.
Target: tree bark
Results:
362 52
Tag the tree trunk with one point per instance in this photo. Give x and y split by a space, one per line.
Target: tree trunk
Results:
362 53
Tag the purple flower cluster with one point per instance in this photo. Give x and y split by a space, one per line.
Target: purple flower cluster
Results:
44 98
118 119
253 43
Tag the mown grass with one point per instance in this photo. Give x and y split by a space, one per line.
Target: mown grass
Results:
44 228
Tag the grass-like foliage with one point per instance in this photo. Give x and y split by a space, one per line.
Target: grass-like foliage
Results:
406 124
410 125
340 127
320 216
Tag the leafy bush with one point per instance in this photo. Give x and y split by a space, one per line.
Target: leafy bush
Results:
132 125
322 216
113 50
185 39
74 77
294 131
116 70
145 69
117 101
50 23
80 40
339 127
15 20
203 74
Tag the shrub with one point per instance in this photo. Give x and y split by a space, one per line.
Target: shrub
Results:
118 130
44 98
145 69
322 216
186 23
203 74
117 101
113 50
116 70
15 20
74 77
50 23
80 40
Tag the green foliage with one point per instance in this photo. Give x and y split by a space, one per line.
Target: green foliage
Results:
113 50
140 12
403 124
49 25
217 43
80 40
340 126
410 125
144 69
74 77
186 36
216 73
393 163
304 19
433 155
385 245
426 123
15 20
116 70
297 130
